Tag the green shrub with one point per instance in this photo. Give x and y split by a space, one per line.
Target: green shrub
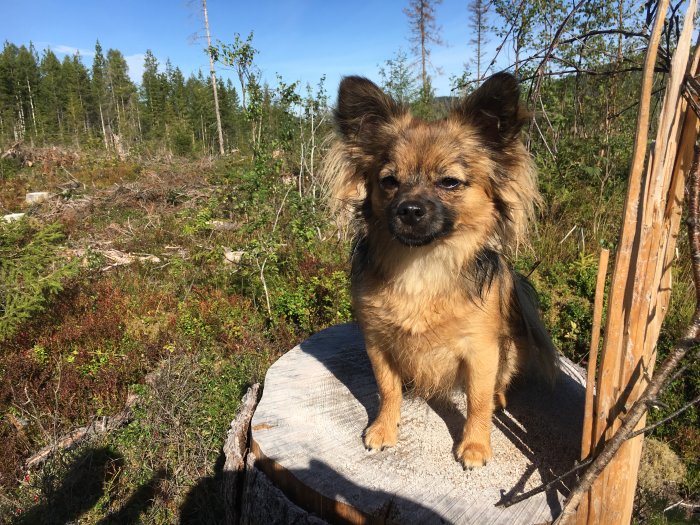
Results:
31 270
566 292
182 140
9 167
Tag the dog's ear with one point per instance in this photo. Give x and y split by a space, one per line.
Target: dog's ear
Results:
361 120
362 111
494 108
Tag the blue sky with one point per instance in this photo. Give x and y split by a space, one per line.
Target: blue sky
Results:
299 39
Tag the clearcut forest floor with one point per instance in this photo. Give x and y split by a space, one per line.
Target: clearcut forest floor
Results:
164 309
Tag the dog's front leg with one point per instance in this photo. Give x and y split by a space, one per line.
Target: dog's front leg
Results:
384 431
481 370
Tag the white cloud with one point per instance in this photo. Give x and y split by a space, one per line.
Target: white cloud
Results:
70 50
135 63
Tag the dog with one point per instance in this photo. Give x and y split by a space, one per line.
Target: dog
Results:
440 205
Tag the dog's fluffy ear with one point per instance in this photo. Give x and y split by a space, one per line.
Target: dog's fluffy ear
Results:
362 121
363 110
494 108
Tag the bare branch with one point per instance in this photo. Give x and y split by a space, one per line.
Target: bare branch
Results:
584 463
599 32
534 90
545 486
666 419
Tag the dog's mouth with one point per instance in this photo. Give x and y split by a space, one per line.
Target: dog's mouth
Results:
410 239
414 239
419 222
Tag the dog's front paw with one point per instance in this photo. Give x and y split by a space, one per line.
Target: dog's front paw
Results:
472 454
380 435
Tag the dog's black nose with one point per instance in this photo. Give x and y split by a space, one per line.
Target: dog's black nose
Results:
410 212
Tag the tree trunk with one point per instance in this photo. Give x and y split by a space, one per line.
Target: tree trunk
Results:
318 398
423 53
31 106
104 130
213 79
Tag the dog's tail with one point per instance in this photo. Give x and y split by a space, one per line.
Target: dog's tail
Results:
542 356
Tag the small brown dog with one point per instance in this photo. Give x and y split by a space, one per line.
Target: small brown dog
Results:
440 204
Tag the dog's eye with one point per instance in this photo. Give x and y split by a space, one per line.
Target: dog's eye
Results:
449 183
389 182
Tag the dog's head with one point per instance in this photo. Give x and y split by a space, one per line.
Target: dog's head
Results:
418 181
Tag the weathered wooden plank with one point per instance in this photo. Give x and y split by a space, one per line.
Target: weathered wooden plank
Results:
587 435
234 450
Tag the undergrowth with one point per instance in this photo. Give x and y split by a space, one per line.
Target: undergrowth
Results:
187 334
32 269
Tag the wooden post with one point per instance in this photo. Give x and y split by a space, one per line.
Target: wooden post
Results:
588 416
640 288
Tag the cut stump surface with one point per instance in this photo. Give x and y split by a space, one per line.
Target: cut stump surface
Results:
318 398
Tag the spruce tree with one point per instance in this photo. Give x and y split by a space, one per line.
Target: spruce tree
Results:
98 93
153 94
121 94
51 97
424 34
76 82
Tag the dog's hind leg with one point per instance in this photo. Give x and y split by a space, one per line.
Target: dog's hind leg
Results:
500 400
384 431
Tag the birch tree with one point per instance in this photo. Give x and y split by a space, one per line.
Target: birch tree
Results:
213 78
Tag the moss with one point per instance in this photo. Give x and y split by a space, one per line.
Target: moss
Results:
660 470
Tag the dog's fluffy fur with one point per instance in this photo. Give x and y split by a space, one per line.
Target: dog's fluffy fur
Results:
439 205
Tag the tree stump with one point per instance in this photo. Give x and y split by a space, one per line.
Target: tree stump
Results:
306 437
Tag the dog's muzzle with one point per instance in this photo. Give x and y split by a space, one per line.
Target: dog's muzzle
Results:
417 222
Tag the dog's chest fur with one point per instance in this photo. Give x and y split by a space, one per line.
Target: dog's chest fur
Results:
425 320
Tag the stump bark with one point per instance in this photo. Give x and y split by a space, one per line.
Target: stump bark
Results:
306 440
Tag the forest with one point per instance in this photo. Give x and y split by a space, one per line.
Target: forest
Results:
185 244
